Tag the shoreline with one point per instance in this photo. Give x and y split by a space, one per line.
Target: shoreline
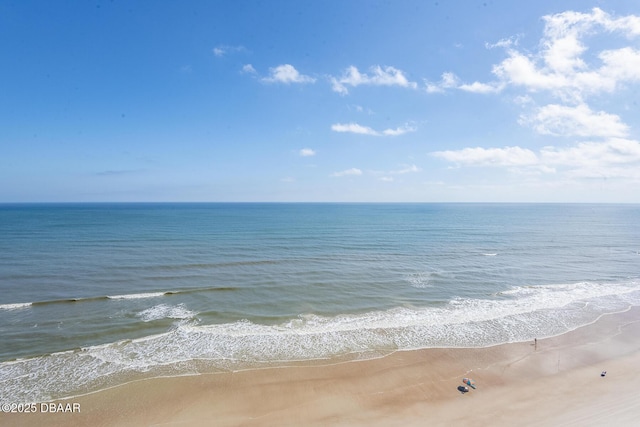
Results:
556 382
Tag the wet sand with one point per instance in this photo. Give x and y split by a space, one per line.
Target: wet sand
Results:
555 382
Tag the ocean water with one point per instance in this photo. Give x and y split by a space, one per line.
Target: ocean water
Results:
93 295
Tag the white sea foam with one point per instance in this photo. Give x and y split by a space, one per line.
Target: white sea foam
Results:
420 280
164 311
16 306
137 296
519 314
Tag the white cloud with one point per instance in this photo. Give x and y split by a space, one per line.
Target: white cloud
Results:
248 69
560 67
503 43
613 158
478 156
378 76
619 66
354 128
360 109
570 67
520 70
451 81
571 22
433 88
399 130
405 170
523 100
365 130
560 120
477 87
222 50
307 152
615 151
348 172
448 80
287 73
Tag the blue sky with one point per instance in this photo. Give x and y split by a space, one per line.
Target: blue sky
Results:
348 101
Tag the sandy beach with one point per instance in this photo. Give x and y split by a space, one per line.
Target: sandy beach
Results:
555 381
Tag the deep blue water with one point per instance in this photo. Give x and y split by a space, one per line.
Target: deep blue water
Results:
102 293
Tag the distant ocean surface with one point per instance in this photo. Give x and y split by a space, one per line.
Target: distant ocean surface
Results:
94 295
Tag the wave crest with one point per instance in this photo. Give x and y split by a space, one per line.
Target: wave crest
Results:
518 314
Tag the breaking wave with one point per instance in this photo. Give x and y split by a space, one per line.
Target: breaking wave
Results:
518 314
20 305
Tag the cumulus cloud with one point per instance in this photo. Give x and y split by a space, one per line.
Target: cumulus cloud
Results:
581 56
287 74
307 152
365 130
560 66
348 172
478 156
612 158
378 76
448 80
562 69
615 151
561 120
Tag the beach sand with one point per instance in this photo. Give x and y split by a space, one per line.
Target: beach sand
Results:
555 382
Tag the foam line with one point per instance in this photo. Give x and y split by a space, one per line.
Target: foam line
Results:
518 314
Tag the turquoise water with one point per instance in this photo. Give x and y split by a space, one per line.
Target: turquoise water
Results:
96 294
